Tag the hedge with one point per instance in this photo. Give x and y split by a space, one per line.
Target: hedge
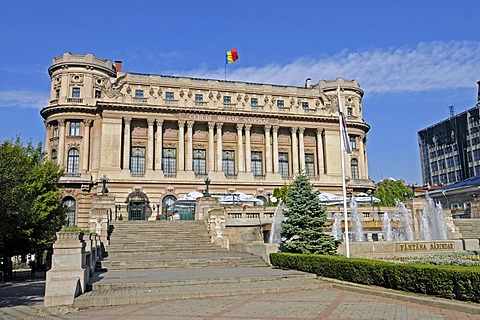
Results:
453 282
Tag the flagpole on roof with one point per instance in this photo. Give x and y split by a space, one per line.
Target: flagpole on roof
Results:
342 156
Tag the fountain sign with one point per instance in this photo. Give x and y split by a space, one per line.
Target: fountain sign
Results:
424 246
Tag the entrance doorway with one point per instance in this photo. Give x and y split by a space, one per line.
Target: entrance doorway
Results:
137 205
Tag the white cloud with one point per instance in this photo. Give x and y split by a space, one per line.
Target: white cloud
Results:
23 99
428 66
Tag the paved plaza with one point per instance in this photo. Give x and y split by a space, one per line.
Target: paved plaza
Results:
332 300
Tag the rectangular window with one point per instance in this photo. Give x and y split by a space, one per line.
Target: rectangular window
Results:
227 100
98 94
169 95
169 160
451 177
349 112
55 130
75 92
199 99
257 163
57 93
137 161
254 102
280 105
283 164
305 105
199 162
228 162
353 142
138 93
74 128
309 164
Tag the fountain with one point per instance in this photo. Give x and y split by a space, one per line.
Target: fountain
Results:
276 230
357 228
433 225
337 233
403 230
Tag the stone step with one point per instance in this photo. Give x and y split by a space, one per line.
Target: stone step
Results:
135 294
179 264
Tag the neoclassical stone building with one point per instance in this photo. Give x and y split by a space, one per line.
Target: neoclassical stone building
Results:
156 138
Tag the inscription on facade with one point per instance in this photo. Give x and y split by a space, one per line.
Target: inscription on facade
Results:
424 246
228 119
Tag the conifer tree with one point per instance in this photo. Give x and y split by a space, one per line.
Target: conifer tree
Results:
304 227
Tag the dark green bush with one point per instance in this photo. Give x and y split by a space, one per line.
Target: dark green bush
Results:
454 282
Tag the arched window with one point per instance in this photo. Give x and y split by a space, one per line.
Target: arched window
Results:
69 204
167 202
73 158
54 155
354 167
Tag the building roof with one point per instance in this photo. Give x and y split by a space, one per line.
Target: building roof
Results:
472 181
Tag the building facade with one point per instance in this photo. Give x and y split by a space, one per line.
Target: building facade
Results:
155 138
450 149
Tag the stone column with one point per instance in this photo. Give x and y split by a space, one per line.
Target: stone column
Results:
181 145
268 149
189 154
48 135
126 144
361 159
61 143
211 147
275 149
159 149
364 147
150 123
294 150
248 149
321 168
219 147
86 144
241 159
302 149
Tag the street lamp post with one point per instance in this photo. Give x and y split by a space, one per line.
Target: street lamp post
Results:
104 182
268 196
207 184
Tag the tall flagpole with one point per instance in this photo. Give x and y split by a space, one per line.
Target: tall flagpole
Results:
344 187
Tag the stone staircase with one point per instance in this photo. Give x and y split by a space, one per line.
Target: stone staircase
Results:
165 260
469 228
169 245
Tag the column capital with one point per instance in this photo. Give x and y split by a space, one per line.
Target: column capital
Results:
190 123
47 124
159 122
268 127
319 130
87 122
151 122
301 130
275 129
219 125
294 129
127 120
247 127
61 122
239 127
211 125
181 123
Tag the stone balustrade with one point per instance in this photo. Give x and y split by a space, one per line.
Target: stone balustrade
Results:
73 262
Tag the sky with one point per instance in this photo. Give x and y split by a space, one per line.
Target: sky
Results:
413 59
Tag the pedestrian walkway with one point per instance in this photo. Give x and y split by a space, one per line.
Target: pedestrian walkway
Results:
324 299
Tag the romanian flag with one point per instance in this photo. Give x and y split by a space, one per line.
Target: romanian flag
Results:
231 56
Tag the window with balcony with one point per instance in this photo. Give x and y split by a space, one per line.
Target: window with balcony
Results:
75 92
257 163
228 162
169 161
280 105
305 105
354 168
283 164
199 162
309 164
74 128
73 161
137 161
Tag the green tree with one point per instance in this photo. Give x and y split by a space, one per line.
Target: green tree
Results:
281 193
30 199
388 191
305 220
